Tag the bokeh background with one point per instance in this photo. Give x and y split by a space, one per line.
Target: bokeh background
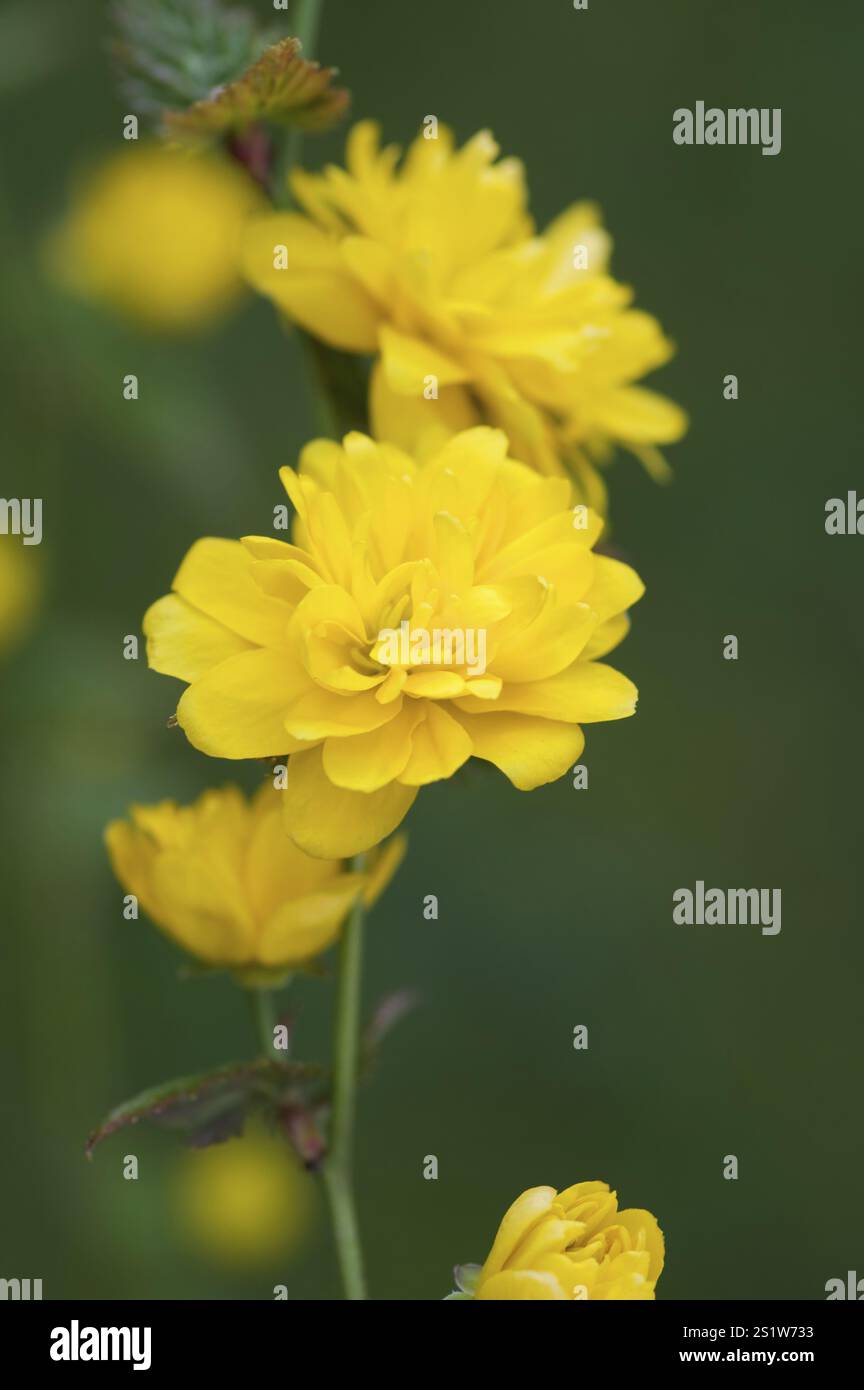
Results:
555 908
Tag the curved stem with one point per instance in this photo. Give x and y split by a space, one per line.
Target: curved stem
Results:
338 1165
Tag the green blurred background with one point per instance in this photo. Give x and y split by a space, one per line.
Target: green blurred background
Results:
555 908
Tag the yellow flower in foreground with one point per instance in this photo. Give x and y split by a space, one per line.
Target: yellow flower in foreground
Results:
422 615
245 1202
436 268
154 233
19 589
224 881
571 1245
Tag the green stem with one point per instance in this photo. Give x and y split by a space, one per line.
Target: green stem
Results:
264 1010
306 22
338 1166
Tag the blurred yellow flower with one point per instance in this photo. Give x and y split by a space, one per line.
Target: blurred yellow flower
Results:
225 882
423 615
19 590
244 1202
436 268
571 1245
154 234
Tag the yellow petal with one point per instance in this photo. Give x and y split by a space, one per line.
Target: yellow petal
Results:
586 693
202 906
522 1284
639 416
606 637
646 1235
331 823
216 578
614 587
237 710
318 713
315 288
275 870
183 642
547 1237
409 361
439 747
417 425
305 927
435 685
549 644
520 1217
367 762
531 752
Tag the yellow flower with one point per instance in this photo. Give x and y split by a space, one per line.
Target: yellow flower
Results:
154 233
571 1245
422 615
19 589
435 268
224 881
245 1202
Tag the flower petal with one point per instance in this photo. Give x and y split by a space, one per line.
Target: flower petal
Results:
531 752
237 710
439 747
183 642
306 926
367 762
586 693
520 1217
521 1284
216 578
331 823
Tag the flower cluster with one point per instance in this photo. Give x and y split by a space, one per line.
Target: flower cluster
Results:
438 592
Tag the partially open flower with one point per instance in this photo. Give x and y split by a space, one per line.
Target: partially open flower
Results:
225 882
568 1246
422 616
434 267
153 233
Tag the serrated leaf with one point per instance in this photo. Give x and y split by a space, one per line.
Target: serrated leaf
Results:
281 88
212 1106
175 52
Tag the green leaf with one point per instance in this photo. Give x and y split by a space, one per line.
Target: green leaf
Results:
281 88
172 53
214 1106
